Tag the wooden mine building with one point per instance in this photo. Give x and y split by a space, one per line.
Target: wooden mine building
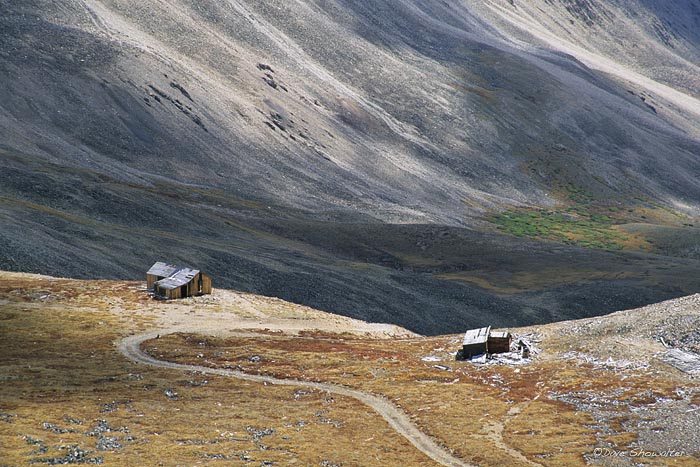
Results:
475 342
484 341
499 342
170 281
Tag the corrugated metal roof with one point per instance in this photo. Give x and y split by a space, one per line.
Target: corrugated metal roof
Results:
476 336
181 277
163 269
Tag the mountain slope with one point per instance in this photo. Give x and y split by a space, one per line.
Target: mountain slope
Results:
231 134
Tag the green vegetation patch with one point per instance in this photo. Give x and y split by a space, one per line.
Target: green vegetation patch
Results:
578 194
575 227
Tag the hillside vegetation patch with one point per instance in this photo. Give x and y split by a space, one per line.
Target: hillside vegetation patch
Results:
575 227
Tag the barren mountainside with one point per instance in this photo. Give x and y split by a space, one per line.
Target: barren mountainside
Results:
426 163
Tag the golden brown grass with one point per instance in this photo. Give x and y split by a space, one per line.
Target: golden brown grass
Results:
61 376
487 415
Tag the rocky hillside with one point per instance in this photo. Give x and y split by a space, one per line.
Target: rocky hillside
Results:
424 163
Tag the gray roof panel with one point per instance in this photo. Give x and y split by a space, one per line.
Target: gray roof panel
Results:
163 269
476 336
181 277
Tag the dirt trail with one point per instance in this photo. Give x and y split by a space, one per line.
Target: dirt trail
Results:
398 420
494 433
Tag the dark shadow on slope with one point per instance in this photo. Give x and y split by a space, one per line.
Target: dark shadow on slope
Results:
430 279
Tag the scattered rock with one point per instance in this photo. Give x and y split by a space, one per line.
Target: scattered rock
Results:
108 443
55 428
196 382
103 426
321 418
185 109
109 407
299 424
218 456
326 463
7 417
179 87
686 362
259 433
75 455
41 447
270 80
610 363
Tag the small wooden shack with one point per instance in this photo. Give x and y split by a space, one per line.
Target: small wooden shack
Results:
499 342
475 342
170 281
484 341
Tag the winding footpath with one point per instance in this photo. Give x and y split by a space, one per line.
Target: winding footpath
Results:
399 421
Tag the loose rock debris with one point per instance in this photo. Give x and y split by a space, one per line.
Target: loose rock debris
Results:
7 417
55 428
259 433
686 362
609 363
75 455
41 447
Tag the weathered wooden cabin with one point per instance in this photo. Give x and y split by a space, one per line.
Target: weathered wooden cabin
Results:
484 341
499 342
475 342
170 281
